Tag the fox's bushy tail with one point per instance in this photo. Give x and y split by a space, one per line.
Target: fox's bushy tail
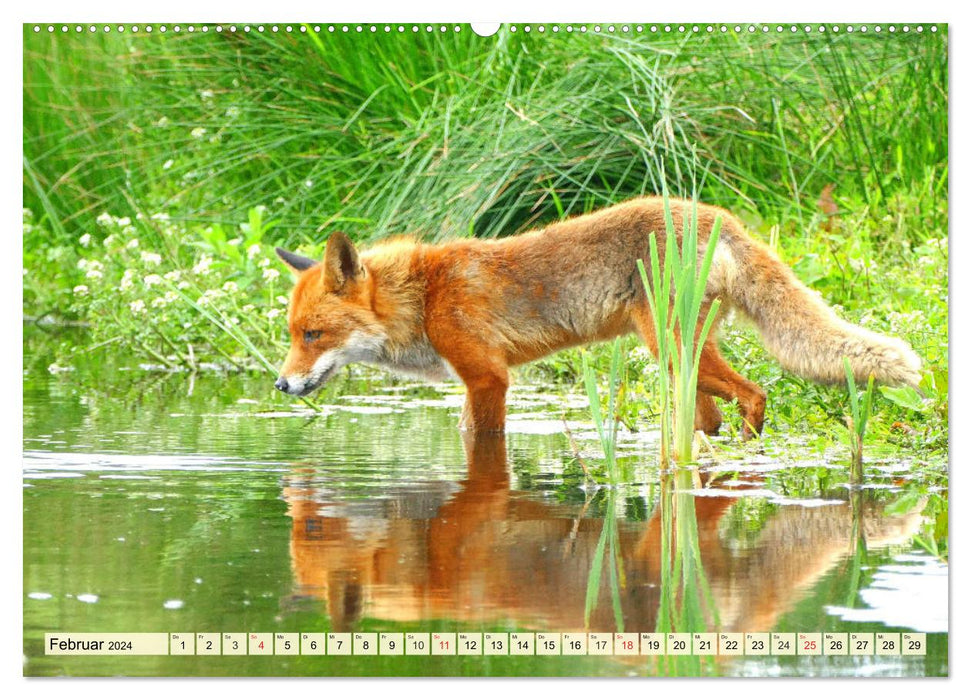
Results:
801 331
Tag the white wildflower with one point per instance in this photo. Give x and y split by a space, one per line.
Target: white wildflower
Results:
164 300
202 267
234 241
168 164
84 264
81 290
123 221
230 287
308 184
282 300
151 258
273 313
127 280
253 251
206 95
137 307
110 240
104 219
94 274
232 112
183 285
163 122
173 276
247 308
160 216
270 273
198 132
264 262
152 280
85 240
133 243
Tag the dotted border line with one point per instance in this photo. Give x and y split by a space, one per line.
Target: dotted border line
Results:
513 28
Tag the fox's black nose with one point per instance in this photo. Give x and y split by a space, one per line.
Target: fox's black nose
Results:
282 384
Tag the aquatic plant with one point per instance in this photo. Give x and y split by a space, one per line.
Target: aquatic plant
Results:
857 421
676 324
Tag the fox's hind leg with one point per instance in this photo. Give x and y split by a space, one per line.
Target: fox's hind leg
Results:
707 416
717 378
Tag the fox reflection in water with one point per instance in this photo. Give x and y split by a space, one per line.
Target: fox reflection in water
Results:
483 553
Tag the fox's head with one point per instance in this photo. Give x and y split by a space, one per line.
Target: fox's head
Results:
330 317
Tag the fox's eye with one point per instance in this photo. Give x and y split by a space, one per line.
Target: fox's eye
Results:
310 336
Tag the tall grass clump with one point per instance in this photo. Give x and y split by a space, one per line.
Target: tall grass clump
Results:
443 133
676 324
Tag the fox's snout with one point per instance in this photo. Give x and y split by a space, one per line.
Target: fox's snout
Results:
301 385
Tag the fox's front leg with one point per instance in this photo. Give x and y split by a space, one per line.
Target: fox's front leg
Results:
485 404
485 395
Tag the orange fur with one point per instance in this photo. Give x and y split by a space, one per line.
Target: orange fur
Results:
474 308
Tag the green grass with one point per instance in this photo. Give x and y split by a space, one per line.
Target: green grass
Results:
679 339
443 133
857 420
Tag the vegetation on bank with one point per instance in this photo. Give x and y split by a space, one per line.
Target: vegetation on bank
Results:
160 171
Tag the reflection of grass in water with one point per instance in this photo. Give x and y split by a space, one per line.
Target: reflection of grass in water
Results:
606 424
608 543
686 603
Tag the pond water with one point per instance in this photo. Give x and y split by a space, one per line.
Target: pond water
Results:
176 502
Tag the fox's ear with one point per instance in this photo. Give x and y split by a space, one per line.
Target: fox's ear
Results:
297 263
341 262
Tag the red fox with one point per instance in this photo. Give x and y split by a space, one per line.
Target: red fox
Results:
473 308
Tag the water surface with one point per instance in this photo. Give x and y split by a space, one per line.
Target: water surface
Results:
177 502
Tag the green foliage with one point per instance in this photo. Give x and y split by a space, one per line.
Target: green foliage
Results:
607 423
150 286
679 346
859 416
436 132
